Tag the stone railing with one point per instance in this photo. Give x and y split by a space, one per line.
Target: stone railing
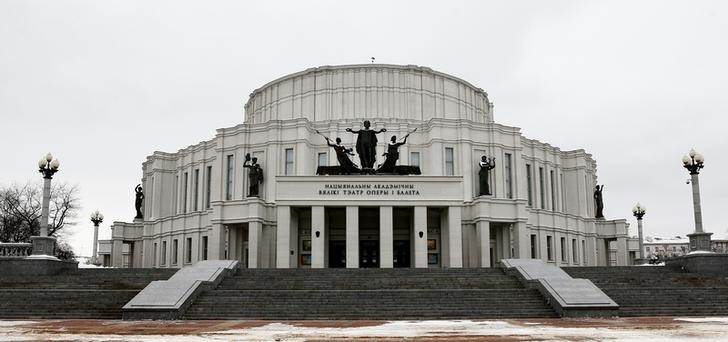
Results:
14 250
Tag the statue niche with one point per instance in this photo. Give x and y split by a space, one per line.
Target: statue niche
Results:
255 175
486 164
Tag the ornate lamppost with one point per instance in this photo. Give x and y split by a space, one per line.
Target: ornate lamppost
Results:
639 211
44 245
96 218
699 240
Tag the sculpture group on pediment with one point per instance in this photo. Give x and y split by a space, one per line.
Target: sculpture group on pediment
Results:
366 148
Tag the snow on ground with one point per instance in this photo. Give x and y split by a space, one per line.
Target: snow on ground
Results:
663 329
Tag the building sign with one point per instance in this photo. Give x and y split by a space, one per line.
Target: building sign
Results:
357 190
369 188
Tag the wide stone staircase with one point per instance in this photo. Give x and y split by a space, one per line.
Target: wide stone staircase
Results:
369 294
658 291
82 293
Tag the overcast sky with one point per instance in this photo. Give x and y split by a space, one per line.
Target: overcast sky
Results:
103 84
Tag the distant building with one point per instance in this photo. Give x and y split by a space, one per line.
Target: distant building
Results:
197 204
666 247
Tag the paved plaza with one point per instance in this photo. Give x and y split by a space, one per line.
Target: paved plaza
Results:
616 329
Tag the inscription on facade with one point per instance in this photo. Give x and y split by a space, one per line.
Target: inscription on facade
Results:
354 190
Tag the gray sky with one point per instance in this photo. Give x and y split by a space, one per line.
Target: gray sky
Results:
103 84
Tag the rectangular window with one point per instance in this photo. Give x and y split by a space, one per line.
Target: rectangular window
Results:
196 189
175 251
164 253
188 251
229 177
563 250
185 179
563 193
542 187
175 200
574 252
208 186
204 248
533 246
549 248
415 158
289 162
529 186
509 182
583 253
323 159
449 161
553 190
648 249
154 255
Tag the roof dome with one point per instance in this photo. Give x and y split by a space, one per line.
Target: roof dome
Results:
368 91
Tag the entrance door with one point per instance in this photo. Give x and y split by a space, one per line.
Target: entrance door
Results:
401 253
368 253
337 253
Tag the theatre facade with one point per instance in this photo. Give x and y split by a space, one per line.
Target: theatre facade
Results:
274 192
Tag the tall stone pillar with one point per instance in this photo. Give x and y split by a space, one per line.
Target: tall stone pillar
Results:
622 251
521 241
483 234
352 237
117 253
255 233
386 236
420 242
216 241
455 237
283 237
318 237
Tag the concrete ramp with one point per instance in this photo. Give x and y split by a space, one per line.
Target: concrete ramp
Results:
168 299
568 296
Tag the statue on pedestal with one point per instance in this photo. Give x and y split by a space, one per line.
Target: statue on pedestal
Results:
139 199
342 155
599 202
486 164
366 144
392 153
255 175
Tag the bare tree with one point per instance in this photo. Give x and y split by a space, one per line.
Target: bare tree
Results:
20 210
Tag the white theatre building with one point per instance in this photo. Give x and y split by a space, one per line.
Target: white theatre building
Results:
197 206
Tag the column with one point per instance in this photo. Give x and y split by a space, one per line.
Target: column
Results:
318 241
216 242
386 245
283 237
622 251
521 241
352 237
117 253
136 248
420 242
255 232
483 233
233 249
455 237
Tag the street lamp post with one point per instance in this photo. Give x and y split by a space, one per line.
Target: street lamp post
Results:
44 245
699 240
96 218
639 211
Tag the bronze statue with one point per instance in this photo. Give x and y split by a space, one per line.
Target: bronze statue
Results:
366 144
599 202
255 175
342 155
138 201
486 164
392 153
